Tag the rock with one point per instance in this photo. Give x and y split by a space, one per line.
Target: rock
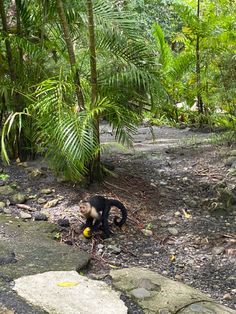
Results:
178 214
170 296
147 255
63 222
218 250
41 200
18 198
51 203
2 205
114 249
46 191
24 215
173 231
7 211
35 172
9 259
193 203
32 196
37 216
69 293
100 246
4 310
140 293
23 164
233 152
23 206
179 277
227 297
230 161
6 190
147 232
172 223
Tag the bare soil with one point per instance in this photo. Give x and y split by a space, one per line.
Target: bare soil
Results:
167 184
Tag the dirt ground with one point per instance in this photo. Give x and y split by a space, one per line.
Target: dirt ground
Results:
167 184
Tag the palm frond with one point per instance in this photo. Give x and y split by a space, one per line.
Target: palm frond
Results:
165 54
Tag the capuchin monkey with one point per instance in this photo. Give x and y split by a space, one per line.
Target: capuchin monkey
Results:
96 211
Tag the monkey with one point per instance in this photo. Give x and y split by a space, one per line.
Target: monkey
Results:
96 211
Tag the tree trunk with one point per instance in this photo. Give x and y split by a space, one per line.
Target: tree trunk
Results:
12 72
18 30
95 165
198 67
70 48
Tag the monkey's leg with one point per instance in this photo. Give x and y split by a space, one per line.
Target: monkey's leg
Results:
105 224
97 224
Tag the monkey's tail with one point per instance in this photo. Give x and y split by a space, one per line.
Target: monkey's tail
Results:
119 205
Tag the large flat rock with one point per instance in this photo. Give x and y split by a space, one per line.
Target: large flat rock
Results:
158 294
27 248
69 293
35 249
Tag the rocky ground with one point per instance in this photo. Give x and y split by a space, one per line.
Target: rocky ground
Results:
179 189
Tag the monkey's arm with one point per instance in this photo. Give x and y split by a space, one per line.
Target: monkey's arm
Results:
89 222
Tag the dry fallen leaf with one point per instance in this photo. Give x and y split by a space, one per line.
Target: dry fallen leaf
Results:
186 215
67 284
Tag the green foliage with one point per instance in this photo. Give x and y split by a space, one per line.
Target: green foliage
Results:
146 60
4 176
11 131
66 136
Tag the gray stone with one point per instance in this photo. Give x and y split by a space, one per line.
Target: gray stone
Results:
230 161
69 293
41 200
37 216
7 211
6 190
4 310
205 308
63 222
114 249
148 285
140 293
24 215
233 152
2 205
100 246
147 232
18 198
173 231
46 191
218 250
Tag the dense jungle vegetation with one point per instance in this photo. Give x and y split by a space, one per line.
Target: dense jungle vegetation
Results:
65 65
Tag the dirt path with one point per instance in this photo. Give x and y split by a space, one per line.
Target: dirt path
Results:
167 183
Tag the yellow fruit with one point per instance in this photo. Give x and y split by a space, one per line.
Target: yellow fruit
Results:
87 232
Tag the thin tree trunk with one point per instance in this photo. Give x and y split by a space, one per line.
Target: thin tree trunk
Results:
95 166
198 67
70 48
12 72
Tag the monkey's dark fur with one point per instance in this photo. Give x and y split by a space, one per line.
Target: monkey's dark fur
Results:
97 208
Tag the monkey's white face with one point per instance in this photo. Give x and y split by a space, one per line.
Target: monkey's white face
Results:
85 208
